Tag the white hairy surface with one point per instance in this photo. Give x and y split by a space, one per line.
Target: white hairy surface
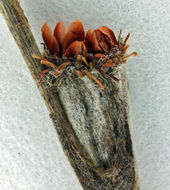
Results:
30 153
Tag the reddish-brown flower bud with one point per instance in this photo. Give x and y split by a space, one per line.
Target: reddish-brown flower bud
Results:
59 32
104 43
100 40
109 35
76 48
49 39
75 33
92 42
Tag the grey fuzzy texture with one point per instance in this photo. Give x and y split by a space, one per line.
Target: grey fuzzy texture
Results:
97 140
94 115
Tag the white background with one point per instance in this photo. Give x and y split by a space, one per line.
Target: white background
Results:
31 157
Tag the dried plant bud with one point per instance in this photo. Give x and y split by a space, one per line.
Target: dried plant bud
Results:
92 89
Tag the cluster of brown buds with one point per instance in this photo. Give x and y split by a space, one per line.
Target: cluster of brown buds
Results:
69 46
